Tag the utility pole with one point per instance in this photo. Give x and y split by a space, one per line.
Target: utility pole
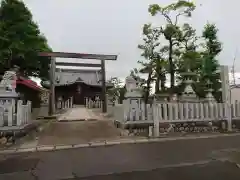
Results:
52 87
233 68
104 91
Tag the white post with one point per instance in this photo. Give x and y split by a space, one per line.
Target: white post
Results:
181 109
226 94
176 111
71 102
197 105
143 117
186 111
86 101
191 109
155 120
29 103
1 118
170 110
201 111
68 103
165 116
24 114
217 111
206 108
65 104
10 114
19 112
14 104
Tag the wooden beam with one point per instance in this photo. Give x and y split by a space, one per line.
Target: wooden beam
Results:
78 55
77 64
77 70
104 91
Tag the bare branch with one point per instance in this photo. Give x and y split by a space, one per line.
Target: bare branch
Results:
167 17
177 16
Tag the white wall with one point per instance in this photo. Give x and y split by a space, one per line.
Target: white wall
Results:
235 94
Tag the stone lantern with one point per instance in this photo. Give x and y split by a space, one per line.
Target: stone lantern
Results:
133 95
132 90
209 96
188 94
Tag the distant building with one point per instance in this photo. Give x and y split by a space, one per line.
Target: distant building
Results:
79 84
235 93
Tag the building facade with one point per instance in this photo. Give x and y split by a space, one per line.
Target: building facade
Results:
79 84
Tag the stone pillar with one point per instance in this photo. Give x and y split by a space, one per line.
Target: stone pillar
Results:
226 94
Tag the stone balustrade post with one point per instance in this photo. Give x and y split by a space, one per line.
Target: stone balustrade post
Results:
71 102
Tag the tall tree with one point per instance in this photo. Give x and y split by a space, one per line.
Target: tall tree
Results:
150 54
189 57
160 66
212 48
21 40
171 30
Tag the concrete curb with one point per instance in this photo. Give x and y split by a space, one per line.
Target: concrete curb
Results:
109 143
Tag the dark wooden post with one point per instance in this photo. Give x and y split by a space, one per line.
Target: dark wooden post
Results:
52 87
104 92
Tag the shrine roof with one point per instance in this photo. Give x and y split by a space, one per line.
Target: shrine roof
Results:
29 83
89 77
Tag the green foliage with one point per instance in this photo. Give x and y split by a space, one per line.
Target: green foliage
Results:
172 31
153 63
183 8
183 52
136 75
21 40
212 48
118 90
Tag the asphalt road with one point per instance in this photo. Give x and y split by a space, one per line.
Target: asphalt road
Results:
209 171
185 159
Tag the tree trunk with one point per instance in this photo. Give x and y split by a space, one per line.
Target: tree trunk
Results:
171 66
157 90
148 87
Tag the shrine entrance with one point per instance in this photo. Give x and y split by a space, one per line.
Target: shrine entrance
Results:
102 58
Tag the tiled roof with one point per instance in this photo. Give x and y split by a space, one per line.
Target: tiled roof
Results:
29 83
89 77
235 86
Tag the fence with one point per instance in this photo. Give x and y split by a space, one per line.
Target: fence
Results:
89 103
11 116
179 112
61 104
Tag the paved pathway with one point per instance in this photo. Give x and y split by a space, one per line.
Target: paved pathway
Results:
79 114
180 159
68 133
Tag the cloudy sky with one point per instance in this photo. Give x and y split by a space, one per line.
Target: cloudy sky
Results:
114 27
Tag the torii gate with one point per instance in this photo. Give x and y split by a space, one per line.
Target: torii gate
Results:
54 55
